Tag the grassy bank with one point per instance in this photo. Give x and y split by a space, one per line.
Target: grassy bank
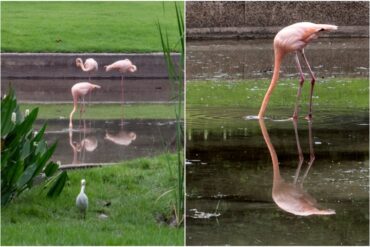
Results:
132 189
333 92
85 26
106 111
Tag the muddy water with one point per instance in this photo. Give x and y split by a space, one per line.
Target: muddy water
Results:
246 59
104 141
230 178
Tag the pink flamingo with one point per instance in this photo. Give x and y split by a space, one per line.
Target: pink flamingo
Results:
89 66
80 90
122 66
294 38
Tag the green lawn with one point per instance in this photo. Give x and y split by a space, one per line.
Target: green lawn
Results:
105 111
86 26
333 92
132 188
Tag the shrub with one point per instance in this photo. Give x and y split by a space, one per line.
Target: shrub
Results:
24 153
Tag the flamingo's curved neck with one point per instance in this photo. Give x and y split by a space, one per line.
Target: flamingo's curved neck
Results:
82 66
278 58
275 77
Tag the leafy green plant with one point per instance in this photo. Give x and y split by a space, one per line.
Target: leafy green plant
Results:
24 153
176 74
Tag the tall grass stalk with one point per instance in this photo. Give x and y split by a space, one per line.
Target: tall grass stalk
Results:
176 75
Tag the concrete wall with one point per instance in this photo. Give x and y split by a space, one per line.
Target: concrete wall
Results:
48 77
212 20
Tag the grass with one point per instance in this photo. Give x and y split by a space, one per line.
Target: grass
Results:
85 26
106 111
132 188
333 92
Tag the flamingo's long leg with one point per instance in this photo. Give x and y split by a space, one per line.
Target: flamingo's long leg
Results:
313 79
122 98
90 102
82 109
89 91
122 90
312 154
300 153
83 146
301 81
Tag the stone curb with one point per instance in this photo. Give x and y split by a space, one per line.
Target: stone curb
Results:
211 33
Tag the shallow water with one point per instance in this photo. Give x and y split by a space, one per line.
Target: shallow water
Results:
247 59
108 141
230 177
59 89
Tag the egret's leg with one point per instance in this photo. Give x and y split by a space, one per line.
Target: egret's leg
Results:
301 81
299 149
312 154
313 79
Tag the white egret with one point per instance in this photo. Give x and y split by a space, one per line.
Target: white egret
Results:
82 201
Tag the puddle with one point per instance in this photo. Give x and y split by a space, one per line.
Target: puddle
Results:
230 171
248 59
108 141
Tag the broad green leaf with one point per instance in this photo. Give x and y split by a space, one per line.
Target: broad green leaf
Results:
27 175
58 186
41 146
25 152
26 125
51 168
44 158
19 167
40 134
5 197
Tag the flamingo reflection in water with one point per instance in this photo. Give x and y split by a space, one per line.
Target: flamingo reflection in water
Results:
83 145
123 138
291 197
